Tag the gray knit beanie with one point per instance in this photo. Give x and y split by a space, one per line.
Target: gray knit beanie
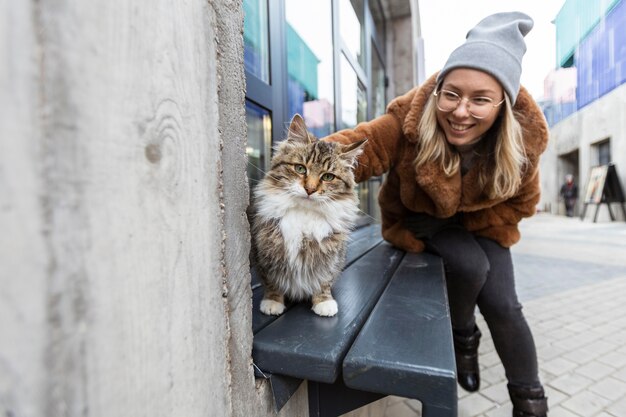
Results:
496 46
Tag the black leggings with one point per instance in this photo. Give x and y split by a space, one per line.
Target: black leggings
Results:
480 272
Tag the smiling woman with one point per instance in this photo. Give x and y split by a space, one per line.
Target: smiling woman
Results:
462 153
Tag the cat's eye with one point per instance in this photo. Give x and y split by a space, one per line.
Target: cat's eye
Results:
300 169
328 177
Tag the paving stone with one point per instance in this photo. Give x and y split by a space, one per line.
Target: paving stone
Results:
571 383
616 359
595 370
559 411
400 409
550 352
415 405
493 375
610 388
586 403
580 356
497 393
618 408
554 396
489 359
501 411
559 366
473 405
620 374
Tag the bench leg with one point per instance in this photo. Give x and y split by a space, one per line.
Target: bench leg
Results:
332 400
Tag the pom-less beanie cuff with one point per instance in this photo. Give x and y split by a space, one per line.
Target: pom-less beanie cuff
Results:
496 46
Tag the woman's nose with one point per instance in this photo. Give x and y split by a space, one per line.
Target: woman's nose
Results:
463 108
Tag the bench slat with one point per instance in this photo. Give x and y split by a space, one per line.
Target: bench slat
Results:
405 347
283 347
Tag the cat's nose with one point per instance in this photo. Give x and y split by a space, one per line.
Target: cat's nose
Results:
309 190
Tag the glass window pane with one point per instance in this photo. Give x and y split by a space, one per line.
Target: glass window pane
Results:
310 63
604 153
353 97
256 39
352 29
378 17
259 144
378 84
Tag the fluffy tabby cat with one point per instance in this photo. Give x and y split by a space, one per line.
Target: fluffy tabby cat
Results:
304 209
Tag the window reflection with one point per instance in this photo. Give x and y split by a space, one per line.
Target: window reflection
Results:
378 84
255 38
352 29
378 17
259 145
353 96
310 63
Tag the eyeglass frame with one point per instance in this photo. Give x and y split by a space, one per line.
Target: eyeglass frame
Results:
460 99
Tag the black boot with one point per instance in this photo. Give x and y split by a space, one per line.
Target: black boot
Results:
528 401
466 354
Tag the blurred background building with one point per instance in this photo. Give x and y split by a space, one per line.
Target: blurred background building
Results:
336 62
585 99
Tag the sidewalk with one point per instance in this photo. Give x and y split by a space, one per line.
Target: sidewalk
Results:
571 279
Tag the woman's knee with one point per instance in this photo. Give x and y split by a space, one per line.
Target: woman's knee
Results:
464 259
500 310
468 269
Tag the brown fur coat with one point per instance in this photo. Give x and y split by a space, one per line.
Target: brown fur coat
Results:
391 149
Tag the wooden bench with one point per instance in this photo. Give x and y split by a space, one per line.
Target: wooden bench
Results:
392 335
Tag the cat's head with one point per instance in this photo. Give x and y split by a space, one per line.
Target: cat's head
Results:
306 167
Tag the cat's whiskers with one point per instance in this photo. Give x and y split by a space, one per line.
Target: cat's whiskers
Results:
262 172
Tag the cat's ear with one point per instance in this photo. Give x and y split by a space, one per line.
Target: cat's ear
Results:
297 130
351 152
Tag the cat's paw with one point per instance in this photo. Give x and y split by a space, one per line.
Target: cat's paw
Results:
326 308
272 308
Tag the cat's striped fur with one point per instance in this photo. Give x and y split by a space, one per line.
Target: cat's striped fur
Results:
303 212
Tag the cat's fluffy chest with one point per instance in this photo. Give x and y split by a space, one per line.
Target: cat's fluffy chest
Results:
297 224
300 218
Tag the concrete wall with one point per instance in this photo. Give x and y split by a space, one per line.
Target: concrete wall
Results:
124 254
602 119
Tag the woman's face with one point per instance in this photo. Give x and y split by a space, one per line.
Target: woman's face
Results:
459 126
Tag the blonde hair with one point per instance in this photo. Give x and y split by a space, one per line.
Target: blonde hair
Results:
501 175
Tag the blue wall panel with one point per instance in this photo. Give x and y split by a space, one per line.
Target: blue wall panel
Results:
601 57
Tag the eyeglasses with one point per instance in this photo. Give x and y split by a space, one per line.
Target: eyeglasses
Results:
479 107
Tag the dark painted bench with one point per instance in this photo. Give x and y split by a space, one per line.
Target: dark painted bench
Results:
392 335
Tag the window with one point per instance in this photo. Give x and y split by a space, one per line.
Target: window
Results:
352 29
256 39
320 59
379 100
310 64
259 141
603 150
353 96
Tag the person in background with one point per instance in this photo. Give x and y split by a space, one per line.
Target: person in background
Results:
569 194
461 153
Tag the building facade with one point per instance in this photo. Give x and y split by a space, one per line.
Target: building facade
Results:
335 62
588 128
